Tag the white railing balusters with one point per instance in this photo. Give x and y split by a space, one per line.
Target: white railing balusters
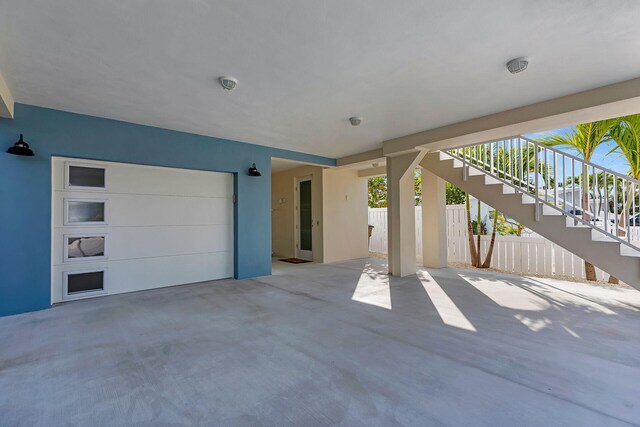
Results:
606 194
464 164
555 179
623 217
510 156
509 160
573 187
594 178
491 168
615 204
564 182
536 184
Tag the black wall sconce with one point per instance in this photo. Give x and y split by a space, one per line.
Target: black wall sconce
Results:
253 171
20 148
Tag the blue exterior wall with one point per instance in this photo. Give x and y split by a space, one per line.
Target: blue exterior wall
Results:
25 189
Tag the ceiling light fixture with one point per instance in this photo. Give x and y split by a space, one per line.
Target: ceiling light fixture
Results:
228 83
355 121
517 65
20 148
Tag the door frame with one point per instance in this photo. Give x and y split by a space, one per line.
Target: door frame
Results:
299 253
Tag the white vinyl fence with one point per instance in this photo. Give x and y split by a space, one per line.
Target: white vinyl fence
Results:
521 255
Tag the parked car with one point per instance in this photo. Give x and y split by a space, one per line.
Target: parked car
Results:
578 213
634 220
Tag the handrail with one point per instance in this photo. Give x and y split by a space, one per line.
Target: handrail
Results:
571 156
512 161
550 148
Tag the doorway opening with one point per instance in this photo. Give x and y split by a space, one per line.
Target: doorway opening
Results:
296 210
304 218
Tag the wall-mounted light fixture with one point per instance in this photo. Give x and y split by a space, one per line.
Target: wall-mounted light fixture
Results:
20 148
253 171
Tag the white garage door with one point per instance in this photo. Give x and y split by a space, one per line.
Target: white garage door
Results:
121 228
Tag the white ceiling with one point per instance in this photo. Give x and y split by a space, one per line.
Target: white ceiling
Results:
306 66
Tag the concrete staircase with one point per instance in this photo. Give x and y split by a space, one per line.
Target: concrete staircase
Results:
589 243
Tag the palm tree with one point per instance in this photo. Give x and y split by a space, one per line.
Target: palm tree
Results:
481 229
584 139
487 259
626 134
512 163
472 249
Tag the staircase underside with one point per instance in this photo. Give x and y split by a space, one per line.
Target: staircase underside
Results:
582 240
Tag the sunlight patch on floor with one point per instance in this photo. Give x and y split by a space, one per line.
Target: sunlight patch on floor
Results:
447 309
534 324
506 294
373 288
572 333
565 297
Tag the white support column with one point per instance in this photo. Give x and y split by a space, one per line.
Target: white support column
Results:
401 213
434 221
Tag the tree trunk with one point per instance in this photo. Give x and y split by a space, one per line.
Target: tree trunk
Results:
589 269
487 260
479 258
472 247
623 220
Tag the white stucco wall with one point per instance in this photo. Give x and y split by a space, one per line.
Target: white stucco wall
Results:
345 215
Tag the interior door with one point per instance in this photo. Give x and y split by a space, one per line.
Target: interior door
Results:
304 245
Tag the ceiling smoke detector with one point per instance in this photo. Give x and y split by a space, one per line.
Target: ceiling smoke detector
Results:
517 65
228 83
355 121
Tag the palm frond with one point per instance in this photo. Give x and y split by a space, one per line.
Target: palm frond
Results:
626 133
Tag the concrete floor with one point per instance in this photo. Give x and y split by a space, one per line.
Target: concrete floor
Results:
331 345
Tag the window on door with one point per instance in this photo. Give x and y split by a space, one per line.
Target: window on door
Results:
87 177
84 212
83 283
305 216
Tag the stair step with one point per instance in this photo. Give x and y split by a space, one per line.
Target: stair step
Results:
628 251
527 199
444 156
548 210
575 224
489 180
475 172
598 236
457 163
507 189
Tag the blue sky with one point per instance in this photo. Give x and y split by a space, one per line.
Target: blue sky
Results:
614 161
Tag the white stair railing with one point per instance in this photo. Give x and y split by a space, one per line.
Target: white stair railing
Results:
589 194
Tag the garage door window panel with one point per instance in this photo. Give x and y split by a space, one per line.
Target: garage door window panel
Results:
82 284
89 247
80 176
85 212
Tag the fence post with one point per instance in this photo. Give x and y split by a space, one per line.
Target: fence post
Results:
548 258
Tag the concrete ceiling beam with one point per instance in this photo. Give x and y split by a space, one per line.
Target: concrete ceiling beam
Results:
6 100
605 102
